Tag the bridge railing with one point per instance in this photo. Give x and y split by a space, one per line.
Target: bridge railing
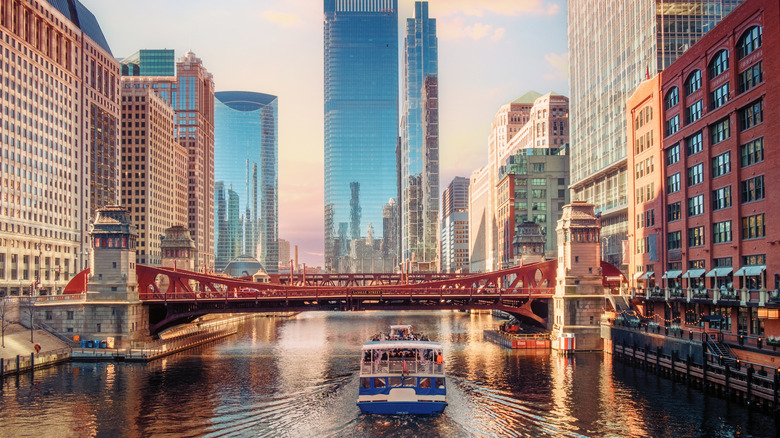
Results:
349 293
397 367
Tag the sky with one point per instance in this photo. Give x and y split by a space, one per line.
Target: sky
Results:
490 53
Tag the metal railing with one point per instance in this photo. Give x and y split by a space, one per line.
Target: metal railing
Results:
408 367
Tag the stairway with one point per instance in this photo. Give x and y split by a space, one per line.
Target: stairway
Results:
720 349
619 303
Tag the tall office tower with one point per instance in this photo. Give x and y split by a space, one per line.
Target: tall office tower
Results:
284 254
154 170
60 114
613 46
455 226
245 156
146 62
361 129
191 95
420 142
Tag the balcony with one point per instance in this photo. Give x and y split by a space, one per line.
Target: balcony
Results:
722 296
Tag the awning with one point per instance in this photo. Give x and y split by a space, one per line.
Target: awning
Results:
719 272
648 275
637 275
749 271
671 274
694 273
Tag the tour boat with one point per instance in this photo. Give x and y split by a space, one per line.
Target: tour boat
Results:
402 373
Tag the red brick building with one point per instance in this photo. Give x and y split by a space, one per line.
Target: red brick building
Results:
720 123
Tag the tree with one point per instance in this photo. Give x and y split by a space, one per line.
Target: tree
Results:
4 314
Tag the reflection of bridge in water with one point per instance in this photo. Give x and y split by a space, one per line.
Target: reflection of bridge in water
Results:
524 291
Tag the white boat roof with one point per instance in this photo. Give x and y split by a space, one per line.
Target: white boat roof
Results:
390 344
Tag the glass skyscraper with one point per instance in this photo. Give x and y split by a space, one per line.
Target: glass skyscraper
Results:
246 174
150 62
613 46
420 142
361 131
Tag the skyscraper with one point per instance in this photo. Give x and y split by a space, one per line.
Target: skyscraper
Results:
613 46
420 141
61 111
245 156
361 128
455 226
191 95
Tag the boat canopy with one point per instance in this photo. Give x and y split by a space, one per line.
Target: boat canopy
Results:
409 345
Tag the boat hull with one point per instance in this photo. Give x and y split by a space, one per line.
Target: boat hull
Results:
402 407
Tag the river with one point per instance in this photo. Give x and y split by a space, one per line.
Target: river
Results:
298 377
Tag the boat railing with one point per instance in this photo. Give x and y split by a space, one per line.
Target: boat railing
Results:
399 367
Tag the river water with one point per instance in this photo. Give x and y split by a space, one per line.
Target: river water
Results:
298 377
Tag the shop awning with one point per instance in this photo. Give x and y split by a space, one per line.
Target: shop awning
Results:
720 272
648 275
671 274
638 274
749 271
694 273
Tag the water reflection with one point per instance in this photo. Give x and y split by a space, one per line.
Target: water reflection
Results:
299 377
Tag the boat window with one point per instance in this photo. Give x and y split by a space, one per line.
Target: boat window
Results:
425 382
395 382
439 383
365 383
379 382
410 382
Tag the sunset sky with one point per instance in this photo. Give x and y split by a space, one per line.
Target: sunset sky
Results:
490 52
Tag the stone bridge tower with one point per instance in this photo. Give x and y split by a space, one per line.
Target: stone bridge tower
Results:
578 302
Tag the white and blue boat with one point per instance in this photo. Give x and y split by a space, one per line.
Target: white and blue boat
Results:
402 373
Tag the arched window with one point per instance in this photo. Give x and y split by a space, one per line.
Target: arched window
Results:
719 64
749 42
693 82
672 98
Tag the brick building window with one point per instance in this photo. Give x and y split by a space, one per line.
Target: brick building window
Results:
673 154
719 64
694 144
693 82
752 189
753 226
673 183
673 212
749 42
721 198
695 205
672 98
721 232
720 96
721 164
751 115
752 152
695 174
693 112
673 125
719 131
696 236
751 77
674 240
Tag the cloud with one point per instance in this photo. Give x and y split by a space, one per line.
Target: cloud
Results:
457 29
499 7
559 64
282 19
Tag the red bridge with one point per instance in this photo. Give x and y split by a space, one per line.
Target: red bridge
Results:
524 291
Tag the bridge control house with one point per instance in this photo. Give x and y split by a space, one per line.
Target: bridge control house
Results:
703 154
102 301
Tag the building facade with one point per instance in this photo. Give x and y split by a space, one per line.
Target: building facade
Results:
361 127
420 142
59 101
154 170
719 111
246 165
191 95
455 226
532 187
614 45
